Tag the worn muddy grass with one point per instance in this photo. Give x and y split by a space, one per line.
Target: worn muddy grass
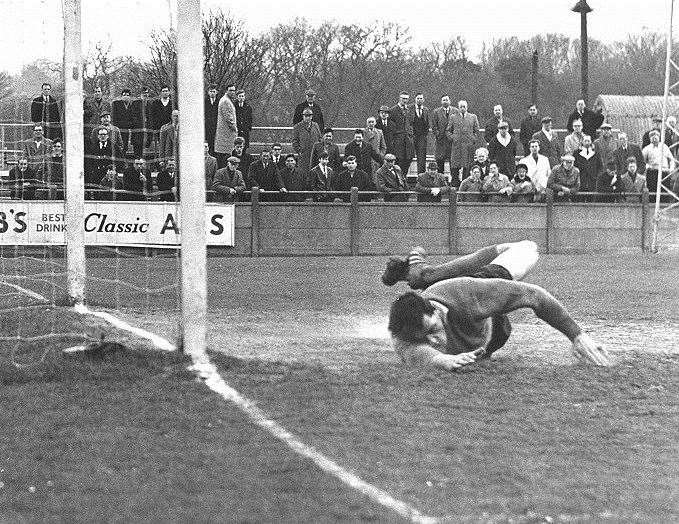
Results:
526 436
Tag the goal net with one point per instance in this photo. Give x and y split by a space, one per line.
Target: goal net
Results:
91 215
666 216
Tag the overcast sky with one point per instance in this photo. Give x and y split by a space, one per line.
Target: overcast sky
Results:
34 28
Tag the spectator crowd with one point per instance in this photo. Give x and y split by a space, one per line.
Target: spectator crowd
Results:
131 153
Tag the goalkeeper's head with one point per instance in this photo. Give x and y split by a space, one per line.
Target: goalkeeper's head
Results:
412 318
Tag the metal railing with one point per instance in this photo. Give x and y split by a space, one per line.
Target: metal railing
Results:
32 190
12 133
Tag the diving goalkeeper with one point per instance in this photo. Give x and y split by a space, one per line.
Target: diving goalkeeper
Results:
460 315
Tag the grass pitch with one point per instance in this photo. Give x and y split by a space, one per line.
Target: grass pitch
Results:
526 437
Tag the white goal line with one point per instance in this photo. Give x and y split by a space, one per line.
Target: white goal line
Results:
204 368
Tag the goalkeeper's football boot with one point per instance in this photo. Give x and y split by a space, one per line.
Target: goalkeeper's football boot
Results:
396 270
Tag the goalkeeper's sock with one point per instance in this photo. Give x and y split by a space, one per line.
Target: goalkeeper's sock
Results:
417 268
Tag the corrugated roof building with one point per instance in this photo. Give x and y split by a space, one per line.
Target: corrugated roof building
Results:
633 114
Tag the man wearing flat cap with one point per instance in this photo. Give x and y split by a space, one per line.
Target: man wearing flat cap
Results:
228 182
606 145
304 135
564 179
384 124
431 184
309 103
548 141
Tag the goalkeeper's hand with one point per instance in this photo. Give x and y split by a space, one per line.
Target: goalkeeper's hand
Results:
453 362
586 348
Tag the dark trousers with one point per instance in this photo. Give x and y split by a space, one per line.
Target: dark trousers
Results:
404 164
210 139
652 182
53 131
526 149
421 152
221 159
125 134
455 175
246 137
403 149
138 143
441 165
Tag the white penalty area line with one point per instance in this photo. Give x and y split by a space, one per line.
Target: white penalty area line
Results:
28 292
159 342
207 371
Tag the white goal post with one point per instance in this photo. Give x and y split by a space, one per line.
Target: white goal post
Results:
192 165
74 154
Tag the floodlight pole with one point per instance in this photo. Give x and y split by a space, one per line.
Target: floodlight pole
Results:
534 79
663 126
74 153
191 176
582 8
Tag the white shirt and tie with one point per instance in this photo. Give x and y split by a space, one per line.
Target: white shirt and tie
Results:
538 170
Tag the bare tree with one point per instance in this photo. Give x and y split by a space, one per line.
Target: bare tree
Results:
161 69
355 68
6 86
102 69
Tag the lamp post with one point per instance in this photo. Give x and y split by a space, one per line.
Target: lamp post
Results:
582 8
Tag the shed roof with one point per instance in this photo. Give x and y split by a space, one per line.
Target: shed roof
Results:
633 114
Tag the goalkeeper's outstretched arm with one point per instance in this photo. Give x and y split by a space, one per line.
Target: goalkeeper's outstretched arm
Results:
493 297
